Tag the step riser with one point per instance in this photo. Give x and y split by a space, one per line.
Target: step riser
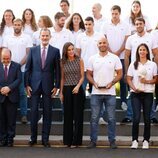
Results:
57 115
57 129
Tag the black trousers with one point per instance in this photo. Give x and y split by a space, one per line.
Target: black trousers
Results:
145 100
73 116
8 111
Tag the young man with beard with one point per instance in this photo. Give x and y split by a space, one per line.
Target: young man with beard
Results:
60 35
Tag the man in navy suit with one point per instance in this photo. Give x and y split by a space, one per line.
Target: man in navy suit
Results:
10 78
42 77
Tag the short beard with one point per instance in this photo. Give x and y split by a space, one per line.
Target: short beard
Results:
17 31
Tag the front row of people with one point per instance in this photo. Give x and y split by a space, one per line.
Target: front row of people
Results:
44 74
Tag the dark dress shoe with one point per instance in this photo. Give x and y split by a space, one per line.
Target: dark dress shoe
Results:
31 142
126 120
113 145
91 145
3 143
46 144
154 121
10 144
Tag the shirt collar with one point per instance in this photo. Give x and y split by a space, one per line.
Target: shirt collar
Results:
46 47
117 23
7 65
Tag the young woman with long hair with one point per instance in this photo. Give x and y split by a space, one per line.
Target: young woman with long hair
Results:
141 78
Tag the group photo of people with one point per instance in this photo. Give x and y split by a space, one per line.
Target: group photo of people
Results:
72 58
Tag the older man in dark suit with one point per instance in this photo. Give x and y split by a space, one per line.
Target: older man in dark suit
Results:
42 77
10 78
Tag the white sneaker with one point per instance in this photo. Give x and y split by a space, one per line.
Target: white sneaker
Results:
145 145
101 121
134 144
41 120
124 106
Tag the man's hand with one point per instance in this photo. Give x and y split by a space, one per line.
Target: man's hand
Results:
142 80
28 91
54 91
5 90
95 85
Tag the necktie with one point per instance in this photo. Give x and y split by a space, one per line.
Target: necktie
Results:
43 57
5 72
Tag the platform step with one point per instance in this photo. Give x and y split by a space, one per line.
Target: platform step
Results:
57 140
57 129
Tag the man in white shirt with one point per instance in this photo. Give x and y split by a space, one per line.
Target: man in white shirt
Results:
103 71
99 20
60 35
19 44
64 5
86 43
141 36
117 32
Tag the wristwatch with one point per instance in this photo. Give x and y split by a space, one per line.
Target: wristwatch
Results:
113 82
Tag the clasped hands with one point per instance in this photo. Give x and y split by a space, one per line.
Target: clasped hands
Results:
5 90
108 86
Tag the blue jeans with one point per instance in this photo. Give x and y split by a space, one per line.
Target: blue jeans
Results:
123 85
84 84
103 111
129 113
23 98
96 107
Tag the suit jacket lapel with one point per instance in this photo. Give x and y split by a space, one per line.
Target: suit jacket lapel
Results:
2 70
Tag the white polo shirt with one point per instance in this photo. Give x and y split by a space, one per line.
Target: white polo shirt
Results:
154 34
88 45
98 23
36 37
28 30
8 30
133 28
60 38
151 69
75 35
134 41
104 71
116 35
18 46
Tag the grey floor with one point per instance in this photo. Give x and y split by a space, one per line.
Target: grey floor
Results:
60 152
